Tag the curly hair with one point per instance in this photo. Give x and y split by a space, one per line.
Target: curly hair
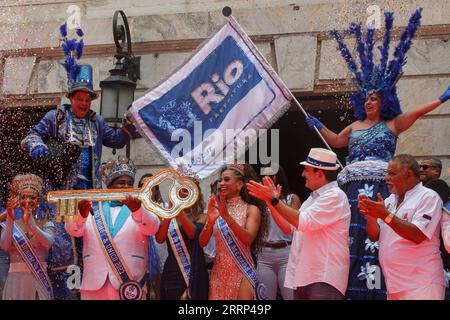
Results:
250 174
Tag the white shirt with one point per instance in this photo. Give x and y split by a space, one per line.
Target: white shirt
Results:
406 265
445 226
320 247
114 211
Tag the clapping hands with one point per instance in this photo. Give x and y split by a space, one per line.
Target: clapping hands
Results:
264 191
213 209
10 206
371 208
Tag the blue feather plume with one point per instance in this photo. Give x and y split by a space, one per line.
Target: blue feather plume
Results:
80 32
79 49
384 50
396 65
63 30
369 51
73 51
356 30
345 52
382 78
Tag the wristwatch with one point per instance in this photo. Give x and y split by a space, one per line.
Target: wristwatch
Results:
389 218
274 201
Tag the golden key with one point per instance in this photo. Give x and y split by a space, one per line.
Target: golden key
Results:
183 193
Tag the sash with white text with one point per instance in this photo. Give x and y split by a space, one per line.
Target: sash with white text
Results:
181 254
110 250
242 260
30 257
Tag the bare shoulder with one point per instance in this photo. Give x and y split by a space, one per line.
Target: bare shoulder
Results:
348 130
391 125
357 125
252 209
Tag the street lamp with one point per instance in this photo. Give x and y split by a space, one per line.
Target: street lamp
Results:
118 89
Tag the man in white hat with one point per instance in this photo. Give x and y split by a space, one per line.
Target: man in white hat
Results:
319 260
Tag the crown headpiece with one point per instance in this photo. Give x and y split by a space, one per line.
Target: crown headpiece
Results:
382 78
26 181
117 168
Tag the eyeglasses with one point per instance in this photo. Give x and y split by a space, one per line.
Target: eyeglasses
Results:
425 166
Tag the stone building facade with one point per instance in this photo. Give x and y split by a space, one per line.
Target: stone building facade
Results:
291 34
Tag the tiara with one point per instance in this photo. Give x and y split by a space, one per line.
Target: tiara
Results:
237 167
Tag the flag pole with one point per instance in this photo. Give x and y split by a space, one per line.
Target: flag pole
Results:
315 128
226 11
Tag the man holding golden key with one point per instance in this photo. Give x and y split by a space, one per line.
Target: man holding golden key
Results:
115 238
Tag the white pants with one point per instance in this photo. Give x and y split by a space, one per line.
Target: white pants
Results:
272 270
431 292
106 292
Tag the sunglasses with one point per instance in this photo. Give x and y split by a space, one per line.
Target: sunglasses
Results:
425 166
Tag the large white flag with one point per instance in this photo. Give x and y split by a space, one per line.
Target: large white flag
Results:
200 117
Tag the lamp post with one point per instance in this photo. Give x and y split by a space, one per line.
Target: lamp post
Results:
118 89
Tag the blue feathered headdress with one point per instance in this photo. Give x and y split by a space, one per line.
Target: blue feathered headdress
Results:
73 51
79 76
377 78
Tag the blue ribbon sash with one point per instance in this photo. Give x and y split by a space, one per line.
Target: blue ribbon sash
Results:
110 250
242 260
181 254
30 257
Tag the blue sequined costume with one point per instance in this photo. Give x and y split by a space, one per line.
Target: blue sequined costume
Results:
90 133
369 152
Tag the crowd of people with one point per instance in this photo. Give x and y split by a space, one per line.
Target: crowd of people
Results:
268 245
379 228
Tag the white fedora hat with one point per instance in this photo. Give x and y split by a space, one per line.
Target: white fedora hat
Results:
321 158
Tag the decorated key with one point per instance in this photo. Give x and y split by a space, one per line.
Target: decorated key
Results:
183 193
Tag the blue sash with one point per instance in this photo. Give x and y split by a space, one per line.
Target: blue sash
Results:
243 261
30 257
129 288
181 253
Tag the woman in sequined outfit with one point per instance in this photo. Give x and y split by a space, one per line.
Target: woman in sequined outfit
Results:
245 219
21 283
